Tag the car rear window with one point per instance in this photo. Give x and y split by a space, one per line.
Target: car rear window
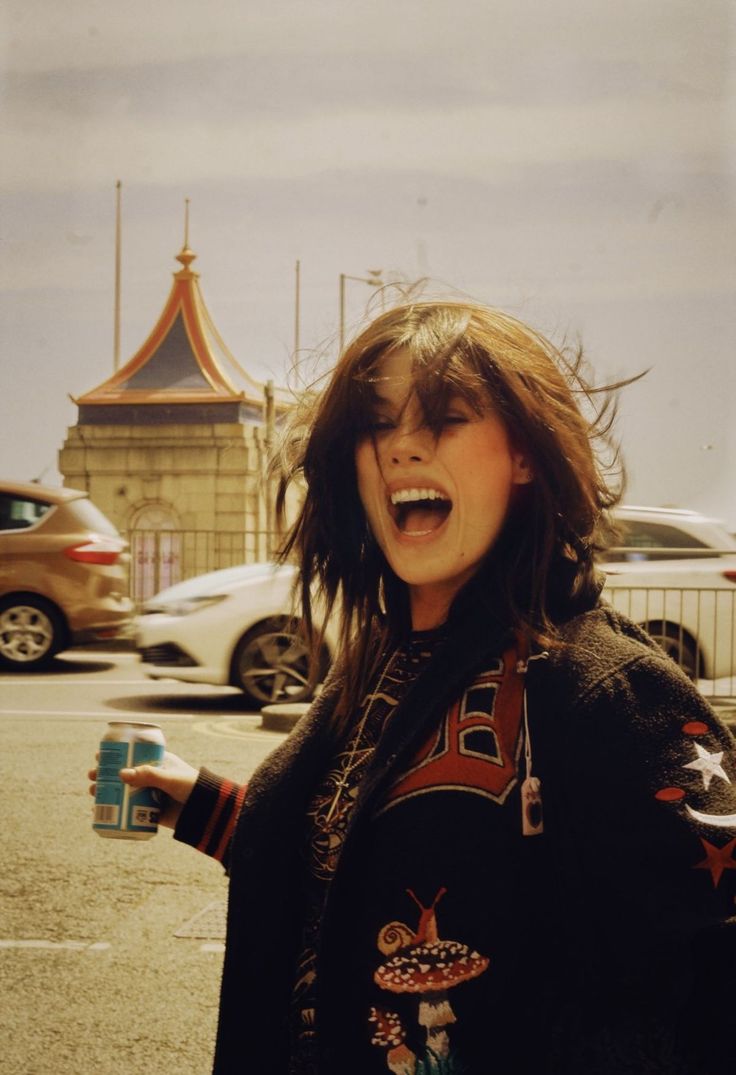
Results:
657 541
91 517
17 513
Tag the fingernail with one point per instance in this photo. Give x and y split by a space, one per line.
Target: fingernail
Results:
126 774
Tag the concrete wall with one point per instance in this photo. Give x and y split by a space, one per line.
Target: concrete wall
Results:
176 477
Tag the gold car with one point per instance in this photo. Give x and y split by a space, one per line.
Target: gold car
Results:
63 574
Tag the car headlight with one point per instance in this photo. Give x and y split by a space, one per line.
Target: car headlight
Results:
187 605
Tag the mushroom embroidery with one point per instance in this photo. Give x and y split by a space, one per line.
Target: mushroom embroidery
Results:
390 1034
422 964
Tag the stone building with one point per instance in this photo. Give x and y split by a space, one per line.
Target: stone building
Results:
173 446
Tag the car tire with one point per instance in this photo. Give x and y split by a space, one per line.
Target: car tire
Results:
271 665
31 632
679 646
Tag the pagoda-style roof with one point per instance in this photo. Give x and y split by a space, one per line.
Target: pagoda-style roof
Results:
183 371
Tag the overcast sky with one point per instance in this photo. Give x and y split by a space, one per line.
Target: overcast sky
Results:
570 161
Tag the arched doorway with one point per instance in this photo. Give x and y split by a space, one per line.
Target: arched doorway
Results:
155 550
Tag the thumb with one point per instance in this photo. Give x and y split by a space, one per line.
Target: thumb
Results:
174 777
145 776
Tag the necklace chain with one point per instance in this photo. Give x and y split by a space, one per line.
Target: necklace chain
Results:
342 782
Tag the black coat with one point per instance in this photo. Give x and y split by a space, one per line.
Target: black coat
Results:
623 927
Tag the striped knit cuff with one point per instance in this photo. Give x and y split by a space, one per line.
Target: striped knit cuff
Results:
209 816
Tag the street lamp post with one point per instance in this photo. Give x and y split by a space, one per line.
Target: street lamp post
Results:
373 279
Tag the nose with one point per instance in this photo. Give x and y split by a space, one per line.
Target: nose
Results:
409 443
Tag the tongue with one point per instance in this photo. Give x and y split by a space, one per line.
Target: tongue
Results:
420 518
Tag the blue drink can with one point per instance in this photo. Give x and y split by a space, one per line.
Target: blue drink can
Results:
121 811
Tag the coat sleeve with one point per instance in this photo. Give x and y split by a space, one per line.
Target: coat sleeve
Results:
651 792
209 816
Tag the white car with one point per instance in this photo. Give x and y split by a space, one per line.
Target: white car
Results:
675 574
230 627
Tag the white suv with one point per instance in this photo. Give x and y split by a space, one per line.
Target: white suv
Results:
675 573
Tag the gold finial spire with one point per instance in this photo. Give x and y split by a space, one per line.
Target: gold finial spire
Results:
186 256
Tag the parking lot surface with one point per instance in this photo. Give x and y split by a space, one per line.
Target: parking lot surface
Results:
110 950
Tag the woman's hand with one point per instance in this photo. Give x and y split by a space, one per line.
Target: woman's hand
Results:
174 777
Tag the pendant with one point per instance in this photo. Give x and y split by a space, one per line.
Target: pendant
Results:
342 783
532 823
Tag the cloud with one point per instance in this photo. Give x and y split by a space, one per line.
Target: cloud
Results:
165 93
44 35
470 141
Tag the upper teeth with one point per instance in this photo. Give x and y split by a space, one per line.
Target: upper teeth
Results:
405 496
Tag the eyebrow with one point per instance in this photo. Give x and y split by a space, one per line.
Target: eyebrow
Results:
375 399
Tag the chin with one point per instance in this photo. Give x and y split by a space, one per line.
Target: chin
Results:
440 575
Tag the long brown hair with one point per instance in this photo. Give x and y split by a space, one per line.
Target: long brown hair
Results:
541 568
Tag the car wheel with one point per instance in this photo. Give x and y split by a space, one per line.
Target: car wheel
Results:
31 632
680 647
271 664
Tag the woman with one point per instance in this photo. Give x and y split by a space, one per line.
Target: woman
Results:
501 838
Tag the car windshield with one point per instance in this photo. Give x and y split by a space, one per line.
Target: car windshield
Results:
647 539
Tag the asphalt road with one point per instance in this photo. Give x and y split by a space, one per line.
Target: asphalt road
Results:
93 978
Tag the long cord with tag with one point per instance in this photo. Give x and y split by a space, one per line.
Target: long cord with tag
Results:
532 815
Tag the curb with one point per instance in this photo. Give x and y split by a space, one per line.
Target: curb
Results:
282 717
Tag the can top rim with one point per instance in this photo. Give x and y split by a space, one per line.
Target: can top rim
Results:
135 723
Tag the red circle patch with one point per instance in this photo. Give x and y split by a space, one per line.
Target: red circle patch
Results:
670 795
695 727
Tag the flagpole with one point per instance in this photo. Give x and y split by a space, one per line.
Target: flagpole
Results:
296 310
118 243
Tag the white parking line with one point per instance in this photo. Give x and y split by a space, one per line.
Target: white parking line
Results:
85 946
71 946
164 684
42 681
106 714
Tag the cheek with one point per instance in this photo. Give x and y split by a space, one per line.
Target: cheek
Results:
488 469
490 500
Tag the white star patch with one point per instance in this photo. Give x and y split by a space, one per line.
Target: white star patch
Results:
707 764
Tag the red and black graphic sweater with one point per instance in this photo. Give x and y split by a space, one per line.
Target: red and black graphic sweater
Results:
425 932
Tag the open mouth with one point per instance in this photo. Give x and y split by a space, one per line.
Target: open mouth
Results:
418 512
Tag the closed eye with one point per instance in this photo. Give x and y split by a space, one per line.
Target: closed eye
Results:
379 425
384 423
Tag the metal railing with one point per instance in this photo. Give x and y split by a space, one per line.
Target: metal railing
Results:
160 558
695 625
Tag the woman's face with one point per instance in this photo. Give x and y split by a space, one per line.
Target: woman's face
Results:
435 505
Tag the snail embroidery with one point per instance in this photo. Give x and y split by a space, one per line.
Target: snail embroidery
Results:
422 964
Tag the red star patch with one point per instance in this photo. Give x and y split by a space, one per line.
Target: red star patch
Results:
717 859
